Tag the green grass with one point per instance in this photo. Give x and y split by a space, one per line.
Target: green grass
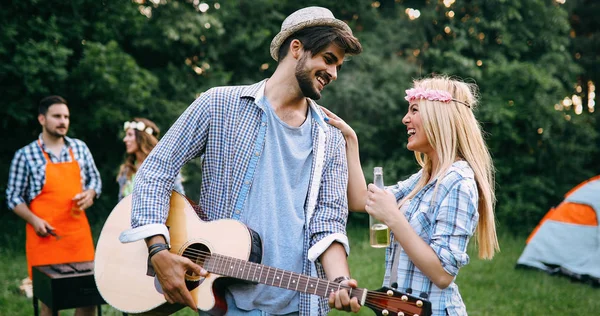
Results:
487 287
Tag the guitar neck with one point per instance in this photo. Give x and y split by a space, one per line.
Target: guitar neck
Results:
258 273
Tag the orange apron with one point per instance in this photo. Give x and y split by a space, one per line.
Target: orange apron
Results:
54 204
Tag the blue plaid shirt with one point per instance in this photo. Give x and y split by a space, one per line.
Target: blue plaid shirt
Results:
227 127
445 219
27 174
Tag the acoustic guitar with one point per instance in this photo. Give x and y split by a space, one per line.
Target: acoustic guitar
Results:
228 249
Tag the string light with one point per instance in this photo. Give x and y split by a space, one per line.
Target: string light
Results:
203 7
448 3
561 1
577 101
577 106
146 11
591 96
412 13
566 102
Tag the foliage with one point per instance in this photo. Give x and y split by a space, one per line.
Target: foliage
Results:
114 60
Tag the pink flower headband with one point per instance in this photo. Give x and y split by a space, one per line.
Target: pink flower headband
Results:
431 95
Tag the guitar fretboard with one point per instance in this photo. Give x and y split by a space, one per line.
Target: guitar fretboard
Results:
254 272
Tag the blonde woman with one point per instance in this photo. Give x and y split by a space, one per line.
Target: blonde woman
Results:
433 214
141 135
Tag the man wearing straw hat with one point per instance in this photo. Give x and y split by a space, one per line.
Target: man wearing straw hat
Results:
271 162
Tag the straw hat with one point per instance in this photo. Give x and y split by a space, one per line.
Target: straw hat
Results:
303 18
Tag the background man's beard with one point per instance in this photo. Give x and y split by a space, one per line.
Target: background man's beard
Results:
56 134
305 83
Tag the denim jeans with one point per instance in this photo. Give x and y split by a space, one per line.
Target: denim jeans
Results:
232 310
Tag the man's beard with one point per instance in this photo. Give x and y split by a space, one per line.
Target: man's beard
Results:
305 81
55 133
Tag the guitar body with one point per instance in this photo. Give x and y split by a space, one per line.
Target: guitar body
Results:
126 280
229 250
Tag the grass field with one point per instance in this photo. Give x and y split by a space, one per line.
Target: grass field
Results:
488 287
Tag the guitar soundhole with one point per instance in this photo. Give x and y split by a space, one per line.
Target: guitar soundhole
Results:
198 253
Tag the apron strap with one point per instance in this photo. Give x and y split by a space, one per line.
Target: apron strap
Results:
44 152
48 157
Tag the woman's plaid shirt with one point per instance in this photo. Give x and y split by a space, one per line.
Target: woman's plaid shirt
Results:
445 218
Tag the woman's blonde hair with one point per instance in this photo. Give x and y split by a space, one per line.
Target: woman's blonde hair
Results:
145 142
454 133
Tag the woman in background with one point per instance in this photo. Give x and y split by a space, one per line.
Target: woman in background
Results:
433 214
141 135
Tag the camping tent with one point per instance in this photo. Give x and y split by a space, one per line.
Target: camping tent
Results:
567 239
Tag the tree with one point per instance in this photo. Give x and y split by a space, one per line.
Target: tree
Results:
115 60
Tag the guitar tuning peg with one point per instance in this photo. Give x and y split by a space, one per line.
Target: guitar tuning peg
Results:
424 295
409 290
395 285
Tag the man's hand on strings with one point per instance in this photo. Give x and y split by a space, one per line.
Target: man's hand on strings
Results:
170 270
341 300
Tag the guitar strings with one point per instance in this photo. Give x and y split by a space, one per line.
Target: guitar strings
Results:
204 255
370 294
200 254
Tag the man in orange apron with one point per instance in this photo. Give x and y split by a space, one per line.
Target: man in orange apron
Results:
51 182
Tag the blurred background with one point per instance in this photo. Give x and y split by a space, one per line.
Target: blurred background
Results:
536 63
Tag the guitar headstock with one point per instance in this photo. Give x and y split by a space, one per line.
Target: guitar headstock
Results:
389 302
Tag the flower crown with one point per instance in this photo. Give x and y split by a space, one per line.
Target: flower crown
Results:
431 95
140 126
